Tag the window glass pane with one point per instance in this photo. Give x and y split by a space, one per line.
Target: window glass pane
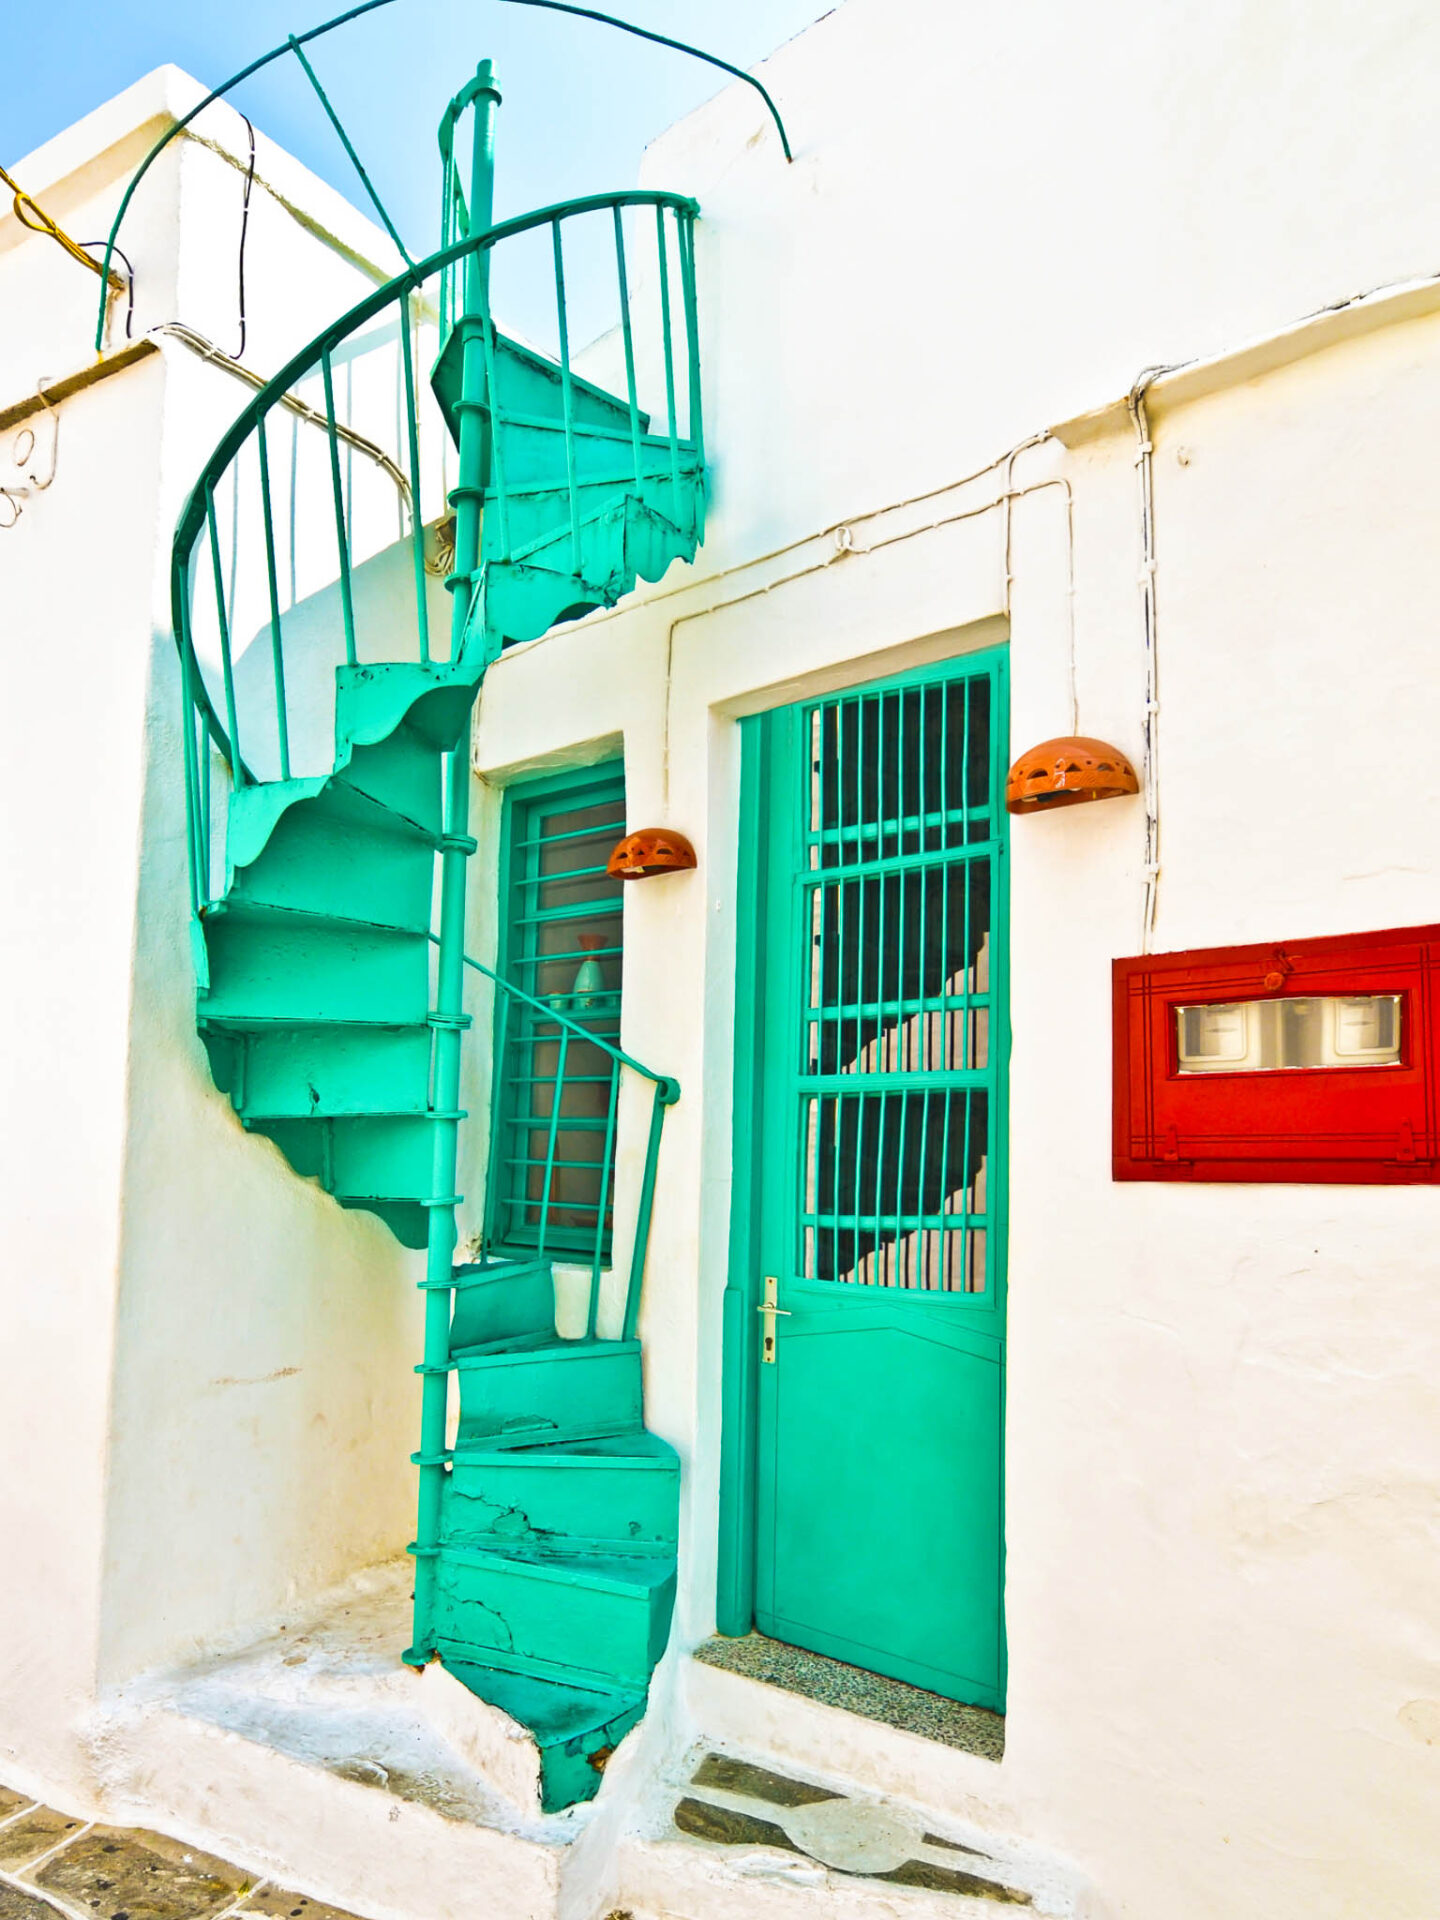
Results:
893 1189
900 970
555 1098
1268 1036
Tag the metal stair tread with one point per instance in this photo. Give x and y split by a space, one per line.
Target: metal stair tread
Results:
501 1352
261 1111
378 814
256 1114
639 1451
511 355
609 511
620 1574
243 907
508 1343
625 482
592 430
285 1022
555 1711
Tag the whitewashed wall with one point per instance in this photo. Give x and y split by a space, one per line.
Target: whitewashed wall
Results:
1222 1438
205 1397
1223 1418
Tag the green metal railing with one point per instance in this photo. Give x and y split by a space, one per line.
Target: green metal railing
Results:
234 544
573 1039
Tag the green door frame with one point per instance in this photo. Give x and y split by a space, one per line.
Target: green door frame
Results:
735 1595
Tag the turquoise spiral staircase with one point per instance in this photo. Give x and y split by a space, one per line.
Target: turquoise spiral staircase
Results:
330 1007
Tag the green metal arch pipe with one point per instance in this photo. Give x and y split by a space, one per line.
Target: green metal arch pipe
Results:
293 42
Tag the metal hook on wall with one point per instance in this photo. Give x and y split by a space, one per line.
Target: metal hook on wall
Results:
25 442
23 458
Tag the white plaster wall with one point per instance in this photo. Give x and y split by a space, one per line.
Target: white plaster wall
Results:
70 788
205 1388
1223 1424
997 215
265 1406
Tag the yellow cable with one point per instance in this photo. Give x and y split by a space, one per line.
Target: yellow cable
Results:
42 223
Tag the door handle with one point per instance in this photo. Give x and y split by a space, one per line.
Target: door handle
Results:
770 1310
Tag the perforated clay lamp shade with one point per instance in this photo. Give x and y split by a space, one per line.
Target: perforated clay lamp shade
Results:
1066 773
650 851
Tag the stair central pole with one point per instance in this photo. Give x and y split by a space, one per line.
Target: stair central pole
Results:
456 847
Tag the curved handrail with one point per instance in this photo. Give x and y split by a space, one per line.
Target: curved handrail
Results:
679 46
193 514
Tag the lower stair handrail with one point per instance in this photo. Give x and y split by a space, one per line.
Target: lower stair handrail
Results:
666 1094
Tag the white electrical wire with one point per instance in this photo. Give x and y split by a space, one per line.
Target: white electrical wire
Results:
1145 477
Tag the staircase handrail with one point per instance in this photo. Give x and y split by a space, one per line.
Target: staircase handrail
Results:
667 1092
276 389
669 1087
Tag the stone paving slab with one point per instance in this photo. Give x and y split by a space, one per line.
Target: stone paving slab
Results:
125 1875
15 1905
276 1904
34 1833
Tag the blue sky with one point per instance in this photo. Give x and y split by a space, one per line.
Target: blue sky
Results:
581 101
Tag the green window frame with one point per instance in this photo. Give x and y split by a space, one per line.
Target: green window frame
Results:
552 1154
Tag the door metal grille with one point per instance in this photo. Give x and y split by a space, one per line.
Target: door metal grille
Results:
897 1067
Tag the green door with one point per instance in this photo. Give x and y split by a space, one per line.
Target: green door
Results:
879 1094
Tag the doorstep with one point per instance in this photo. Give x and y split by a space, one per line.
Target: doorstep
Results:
871 1695
791 1731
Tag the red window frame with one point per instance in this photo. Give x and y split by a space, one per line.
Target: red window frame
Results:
1370 1125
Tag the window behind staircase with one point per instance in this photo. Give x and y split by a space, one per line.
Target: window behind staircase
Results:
560 943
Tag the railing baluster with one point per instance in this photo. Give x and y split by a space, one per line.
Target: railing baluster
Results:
192 772
963 867
695 428
492 395
548 1189
206 774
277 645
237 766
498 1194
417 523
669 359
342 536
604 1195
642 1216
627 334
566 393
